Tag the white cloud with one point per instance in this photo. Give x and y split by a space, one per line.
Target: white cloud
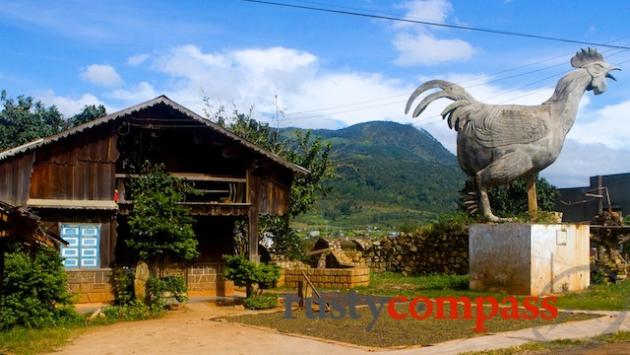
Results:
141 92
255 76
424 49
608 126
68 106
314 97
578 161
102 75
138 59
429 10
418 45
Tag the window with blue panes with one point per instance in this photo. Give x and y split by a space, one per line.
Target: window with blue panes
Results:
83 240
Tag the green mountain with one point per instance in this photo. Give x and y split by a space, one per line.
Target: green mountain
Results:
387 174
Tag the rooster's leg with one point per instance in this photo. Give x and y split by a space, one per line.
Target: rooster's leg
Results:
501 171
485 206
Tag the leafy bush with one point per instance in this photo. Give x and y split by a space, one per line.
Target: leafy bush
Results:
285 240
247 273
158 290
261 301
135 310
36 292
452 225
445 282
159 225
122 282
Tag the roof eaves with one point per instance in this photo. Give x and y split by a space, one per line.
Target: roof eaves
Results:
162 99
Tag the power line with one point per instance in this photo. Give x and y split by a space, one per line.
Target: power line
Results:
497 79
438 24
494 78
484 83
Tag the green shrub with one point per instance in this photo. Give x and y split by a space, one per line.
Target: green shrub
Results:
135 310
286 241
36 292
445 282
122 283
247 273
158 290
261 301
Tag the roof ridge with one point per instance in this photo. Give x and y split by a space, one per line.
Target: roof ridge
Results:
143 105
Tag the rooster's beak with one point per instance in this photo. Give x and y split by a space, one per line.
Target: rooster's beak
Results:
609 76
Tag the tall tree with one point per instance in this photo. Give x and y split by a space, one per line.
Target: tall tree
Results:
305 150
89 113
24 119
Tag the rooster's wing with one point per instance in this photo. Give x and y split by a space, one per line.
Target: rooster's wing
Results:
506 125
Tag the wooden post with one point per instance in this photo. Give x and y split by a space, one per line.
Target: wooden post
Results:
2 244
252 199
532 201
252 245
600 202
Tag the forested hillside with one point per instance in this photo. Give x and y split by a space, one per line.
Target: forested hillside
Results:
386 174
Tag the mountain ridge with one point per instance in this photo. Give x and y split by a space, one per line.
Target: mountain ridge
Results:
386 173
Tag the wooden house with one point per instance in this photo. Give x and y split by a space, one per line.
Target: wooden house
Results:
76 182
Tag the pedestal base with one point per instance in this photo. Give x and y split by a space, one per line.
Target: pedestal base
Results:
530 259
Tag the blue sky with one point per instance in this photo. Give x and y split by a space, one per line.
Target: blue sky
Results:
327 70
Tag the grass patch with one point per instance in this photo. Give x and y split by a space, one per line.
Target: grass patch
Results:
561 345
611 297
36 341
388 332
435 285
21 340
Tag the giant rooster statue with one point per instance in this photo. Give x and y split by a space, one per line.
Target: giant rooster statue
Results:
496 144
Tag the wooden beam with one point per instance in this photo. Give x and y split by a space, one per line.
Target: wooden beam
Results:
532 198
252 198
72 204
2 247
192 177
252 245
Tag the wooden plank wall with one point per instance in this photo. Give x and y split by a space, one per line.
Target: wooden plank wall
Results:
81 168
16 173
271 188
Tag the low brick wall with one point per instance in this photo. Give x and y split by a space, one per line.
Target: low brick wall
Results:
329 278
203 279
91 286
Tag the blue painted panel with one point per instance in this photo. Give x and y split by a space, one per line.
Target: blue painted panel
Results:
83 248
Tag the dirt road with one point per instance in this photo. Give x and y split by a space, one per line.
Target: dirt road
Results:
191 331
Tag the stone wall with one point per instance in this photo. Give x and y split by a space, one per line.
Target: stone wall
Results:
91 286
416 254
328 278
203 279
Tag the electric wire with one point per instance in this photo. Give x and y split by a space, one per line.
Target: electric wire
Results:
438 24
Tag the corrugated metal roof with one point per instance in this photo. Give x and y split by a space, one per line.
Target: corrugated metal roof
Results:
162 99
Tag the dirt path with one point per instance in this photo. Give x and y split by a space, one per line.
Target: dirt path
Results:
191 331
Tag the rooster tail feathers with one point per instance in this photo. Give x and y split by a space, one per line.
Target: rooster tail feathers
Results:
448 90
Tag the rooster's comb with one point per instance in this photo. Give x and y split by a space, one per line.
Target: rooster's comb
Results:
586 56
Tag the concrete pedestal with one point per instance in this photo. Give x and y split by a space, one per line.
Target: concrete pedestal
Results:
530 259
